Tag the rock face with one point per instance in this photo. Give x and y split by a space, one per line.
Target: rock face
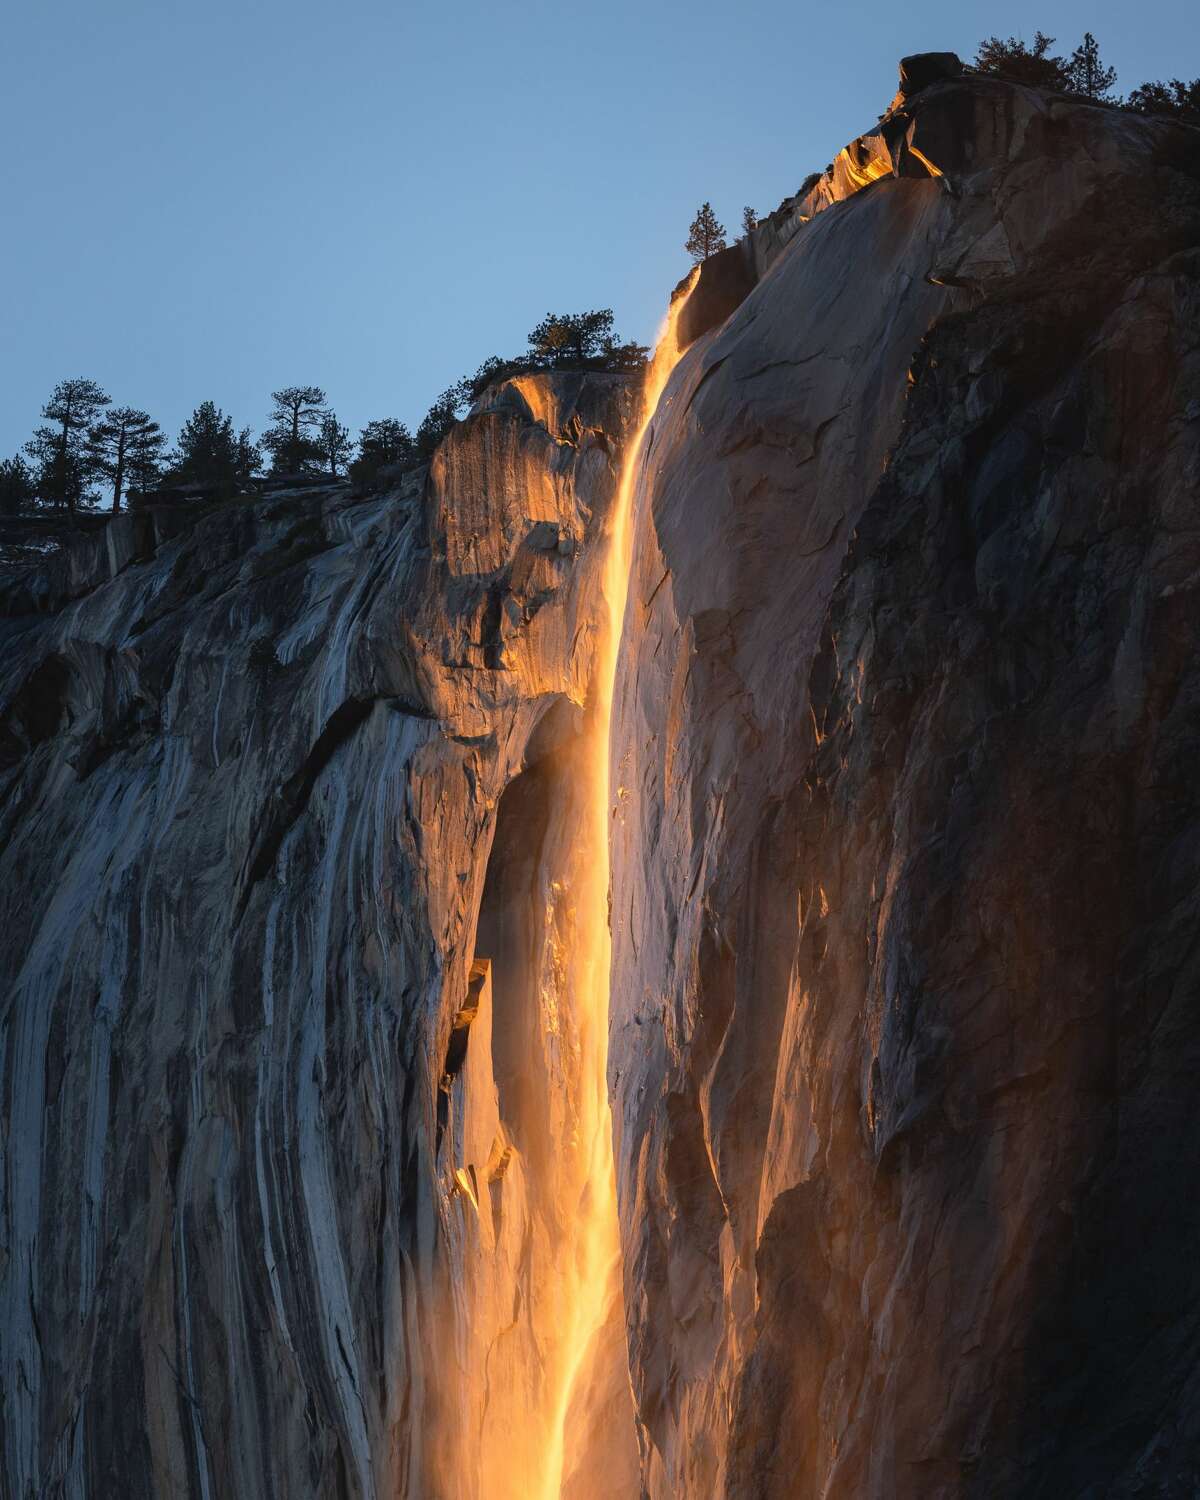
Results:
908 831
264 1208
906 837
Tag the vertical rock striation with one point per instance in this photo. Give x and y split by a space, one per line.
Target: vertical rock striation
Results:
252 1234
908 834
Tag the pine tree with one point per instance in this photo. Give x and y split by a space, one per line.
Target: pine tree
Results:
247 458
1086 73
706 236
549 341
386 442
125 439
630 355
60 451
575 339
211 454
439 420
294 423
383 445
17 489
1175 98
492 369
749 220
143 468
1012 59
60 473
334 442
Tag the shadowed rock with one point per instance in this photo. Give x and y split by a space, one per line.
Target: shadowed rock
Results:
906 852
250 761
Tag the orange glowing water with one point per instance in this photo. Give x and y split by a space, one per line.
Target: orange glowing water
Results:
593 1274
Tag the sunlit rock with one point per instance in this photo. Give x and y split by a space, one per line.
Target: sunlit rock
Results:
906 856
303 896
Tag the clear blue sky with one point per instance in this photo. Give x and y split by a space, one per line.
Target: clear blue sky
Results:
213 200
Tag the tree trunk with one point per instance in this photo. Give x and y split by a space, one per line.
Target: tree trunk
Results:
119 474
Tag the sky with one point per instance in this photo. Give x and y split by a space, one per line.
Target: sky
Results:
210 201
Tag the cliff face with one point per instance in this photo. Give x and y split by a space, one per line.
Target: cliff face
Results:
905 843
905 975
260 1222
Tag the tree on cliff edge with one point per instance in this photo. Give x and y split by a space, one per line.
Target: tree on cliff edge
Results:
60 451
124 444
439 420
335 443
574 339
384 448
211 454
294 423
1086 74
1178 97
706 235
17 489
1012 59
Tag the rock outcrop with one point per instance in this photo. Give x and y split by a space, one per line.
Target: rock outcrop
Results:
908 830
906 843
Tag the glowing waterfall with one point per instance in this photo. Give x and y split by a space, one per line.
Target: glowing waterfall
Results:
593 1271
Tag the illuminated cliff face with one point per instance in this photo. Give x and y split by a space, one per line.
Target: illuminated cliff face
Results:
307 811
883 1032
540 1405
592 1288
535 1400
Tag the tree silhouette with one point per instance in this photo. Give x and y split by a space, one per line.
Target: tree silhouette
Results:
335 442
439 420
493 368
295 420
211 454
383 445
1086 73
124 440
548 341
247 457
386 442
1173 98
623 356
60 450
577 339
749 220
60 473
17 489
1012 59
143 467
706 236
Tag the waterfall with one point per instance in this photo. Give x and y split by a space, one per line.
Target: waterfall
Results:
593 1288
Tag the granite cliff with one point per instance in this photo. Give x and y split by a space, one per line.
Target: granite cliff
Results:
254 761
905 835
905 879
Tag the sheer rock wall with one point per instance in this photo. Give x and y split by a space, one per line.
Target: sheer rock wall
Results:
906 835
251 763
908 831
906 839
